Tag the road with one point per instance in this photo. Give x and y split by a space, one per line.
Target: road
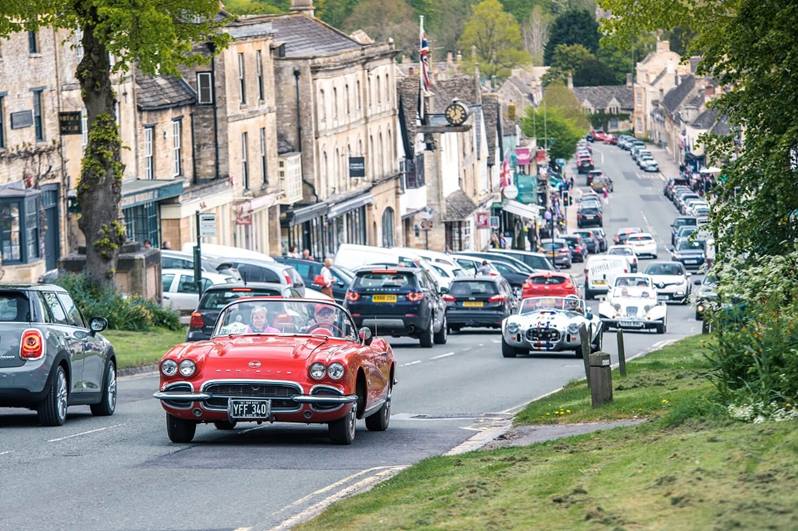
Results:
121 472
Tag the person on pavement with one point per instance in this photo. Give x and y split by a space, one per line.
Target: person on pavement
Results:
484 269
306 255
327 278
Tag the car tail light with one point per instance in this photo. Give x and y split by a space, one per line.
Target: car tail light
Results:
31 346
415 296
288 279
197 320
352 296
498 298
449 298
241 289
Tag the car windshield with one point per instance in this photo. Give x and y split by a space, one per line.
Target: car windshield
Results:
216 299
547 280
665 269
636 282
621 251
553 245
472 288
690 245
261 316
14 307
536 304
639 238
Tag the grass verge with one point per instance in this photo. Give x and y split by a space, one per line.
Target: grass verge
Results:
135 349
689 468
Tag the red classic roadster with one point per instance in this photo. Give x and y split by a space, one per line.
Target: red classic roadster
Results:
286 360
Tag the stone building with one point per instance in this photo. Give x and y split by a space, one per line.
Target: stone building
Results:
655 76
614 104
336 114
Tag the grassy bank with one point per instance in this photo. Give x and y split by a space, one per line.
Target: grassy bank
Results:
134 349
688 468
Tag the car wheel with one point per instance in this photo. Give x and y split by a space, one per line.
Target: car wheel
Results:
662 328
595 347
508 351
440 336
342 431
52 410
224 425
379 421
427 336
107 404
180 430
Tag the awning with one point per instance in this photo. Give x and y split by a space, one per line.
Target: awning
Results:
519 209
298 216
523 156
350 204
142 191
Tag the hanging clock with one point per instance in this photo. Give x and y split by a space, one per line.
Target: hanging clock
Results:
456 113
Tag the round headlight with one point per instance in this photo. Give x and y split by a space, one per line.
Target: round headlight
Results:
646 308
317 371
617 306
335 371
187 368
573 328
169 367
700 308
512 328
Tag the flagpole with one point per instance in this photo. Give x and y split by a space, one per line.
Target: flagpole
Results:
421 89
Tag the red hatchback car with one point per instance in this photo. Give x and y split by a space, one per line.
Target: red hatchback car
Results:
548 284
286 360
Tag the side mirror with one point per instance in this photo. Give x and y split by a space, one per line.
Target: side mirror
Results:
97 324
365 335
443 290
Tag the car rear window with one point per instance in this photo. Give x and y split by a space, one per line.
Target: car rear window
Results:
665 269
254 273
471 288
589 210
385 280
542 280
14 307
216 299
553 245
639 238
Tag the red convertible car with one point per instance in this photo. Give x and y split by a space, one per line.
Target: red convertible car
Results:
286 360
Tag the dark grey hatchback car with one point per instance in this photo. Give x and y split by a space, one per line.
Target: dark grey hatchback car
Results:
49 358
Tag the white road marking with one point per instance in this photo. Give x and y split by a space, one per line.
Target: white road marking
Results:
648 225
361 486
497 341
416 362
83 433
6 452
441 356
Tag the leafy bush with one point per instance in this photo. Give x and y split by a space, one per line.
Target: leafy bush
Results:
755 355
123 313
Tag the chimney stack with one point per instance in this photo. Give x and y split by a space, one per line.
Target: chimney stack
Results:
629 80
303 7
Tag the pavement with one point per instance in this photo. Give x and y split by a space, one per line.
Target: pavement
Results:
122 473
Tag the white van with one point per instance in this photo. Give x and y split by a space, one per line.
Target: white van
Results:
353 256
600 273
210 250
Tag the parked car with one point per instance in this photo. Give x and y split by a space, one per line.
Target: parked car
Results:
584 165
536 261
550 324
180 260
309 270
592 175
329 372
353 256
623 233
252 270
671 280
481 302
594 238
601 271
549 284
472 264
632 304
685 231
589 215
671 183
627 252
215 298
679 222
494 257
600 182
643 244
514 273
648 164
689 252
398 301
50 357
557 251
577 246
179 290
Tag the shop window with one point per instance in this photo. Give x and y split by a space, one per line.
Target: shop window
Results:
387 228
32 228
141 223
259 71
38 119
177 130
10 234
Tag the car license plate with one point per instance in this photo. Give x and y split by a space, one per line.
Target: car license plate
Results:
691 261
629 323
249 409
589 217
384 298
600 282
663 297
472 304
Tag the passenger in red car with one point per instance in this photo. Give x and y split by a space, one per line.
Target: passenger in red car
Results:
260 322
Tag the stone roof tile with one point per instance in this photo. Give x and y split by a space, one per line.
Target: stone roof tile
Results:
458 206
154 93
600 96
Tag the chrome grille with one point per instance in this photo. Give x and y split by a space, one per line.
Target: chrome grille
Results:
543 334
280 393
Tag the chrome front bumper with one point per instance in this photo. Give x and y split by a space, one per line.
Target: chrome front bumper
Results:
299 399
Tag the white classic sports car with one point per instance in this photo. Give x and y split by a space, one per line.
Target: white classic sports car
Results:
632 305
550 324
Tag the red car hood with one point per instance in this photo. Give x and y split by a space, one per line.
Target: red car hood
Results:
266 347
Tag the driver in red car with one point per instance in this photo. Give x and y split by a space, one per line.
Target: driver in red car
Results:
260 322
325 321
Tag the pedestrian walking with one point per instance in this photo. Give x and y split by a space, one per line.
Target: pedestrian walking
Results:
325 279
494 241
484 269
294 252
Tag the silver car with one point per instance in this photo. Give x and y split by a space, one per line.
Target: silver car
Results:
49 357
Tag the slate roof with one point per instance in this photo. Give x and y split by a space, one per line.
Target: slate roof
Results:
303 36
463 88
659 76
407 89
154 93
710 120
600 96
674 98
491 112
722 126
458 206
283 146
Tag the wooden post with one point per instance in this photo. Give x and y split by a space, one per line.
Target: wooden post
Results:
584 335
621 353
600 379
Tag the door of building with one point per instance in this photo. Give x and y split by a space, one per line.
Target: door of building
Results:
52 240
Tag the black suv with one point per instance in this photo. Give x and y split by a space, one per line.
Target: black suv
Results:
310 269
478 302
589 216
398 301
203 319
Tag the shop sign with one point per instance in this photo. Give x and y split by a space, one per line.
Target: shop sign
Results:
207 225
70 123
243 216
426 224
510 192
483 220
357 167
523 156
494 222
21 119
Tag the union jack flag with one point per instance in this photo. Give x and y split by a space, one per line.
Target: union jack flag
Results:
423 53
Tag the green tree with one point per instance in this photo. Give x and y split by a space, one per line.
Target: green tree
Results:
575 26
496 38
558 96
157 36
383 20
444 22
256 7
553 128
750 48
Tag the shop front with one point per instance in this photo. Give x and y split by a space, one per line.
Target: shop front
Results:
253 230
347 222
141 207
178 216
21 243
305 227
